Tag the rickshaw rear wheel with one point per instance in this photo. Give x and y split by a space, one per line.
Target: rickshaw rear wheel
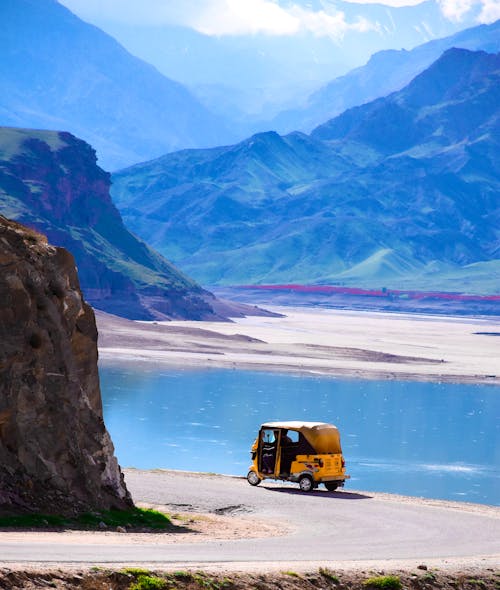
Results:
306 483
253 479
331 486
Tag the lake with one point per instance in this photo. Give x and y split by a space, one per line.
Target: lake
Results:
434 440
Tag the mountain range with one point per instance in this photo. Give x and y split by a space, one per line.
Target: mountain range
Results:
385 72
50 181
58 72
73 76
272 208
400 192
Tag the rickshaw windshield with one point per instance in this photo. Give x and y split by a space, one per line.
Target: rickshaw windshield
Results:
268 436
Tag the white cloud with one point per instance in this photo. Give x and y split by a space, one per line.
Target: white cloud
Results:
249 17
455 10
323 24
219 17
243 17
393 3
490 11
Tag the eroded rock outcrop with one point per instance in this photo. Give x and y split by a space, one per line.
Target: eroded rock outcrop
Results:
50 181
55 452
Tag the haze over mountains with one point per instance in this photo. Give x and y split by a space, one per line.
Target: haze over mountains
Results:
403 191
58 72
385 72
257 58
72 76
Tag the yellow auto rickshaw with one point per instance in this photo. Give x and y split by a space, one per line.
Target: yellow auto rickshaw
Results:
308 453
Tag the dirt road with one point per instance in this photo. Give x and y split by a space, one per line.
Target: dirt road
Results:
274 524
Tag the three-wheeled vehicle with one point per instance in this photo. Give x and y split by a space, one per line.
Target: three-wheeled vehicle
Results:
308 453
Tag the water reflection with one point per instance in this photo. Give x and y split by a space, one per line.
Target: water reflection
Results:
424 439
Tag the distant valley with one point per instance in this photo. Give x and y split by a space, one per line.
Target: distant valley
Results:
248 73
74 77
71 76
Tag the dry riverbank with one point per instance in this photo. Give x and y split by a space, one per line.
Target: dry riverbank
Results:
357 344
418 577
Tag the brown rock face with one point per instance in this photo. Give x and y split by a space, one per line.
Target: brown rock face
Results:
55 453
50 181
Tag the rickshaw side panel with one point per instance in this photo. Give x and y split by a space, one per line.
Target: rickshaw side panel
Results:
321 467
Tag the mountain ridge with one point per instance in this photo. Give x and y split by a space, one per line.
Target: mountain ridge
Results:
50 181
421 206
385 72
444 82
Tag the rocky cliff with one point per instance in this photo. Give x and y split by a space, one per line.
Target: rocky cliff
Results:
55 452
50 181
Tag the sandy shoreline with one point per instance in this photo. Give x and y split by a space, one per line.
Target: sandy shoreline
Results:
369 345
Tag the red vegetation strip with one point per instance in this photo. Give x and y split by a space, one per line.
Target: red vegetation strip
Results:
330 290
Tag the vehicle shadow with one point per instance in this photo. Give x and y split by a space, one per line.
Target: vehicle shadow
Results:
319 493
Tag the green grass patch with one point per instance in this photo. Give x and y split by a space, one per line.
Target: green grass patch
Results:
383 583
200 579
148 583
329 575
182 575
32 521
136 571
133 518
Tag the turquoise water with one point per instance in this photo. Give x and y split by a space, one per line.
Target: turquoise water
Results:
423 439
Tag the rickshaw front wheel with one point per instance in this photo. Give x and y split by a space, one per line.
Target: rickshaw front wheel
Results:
331 486
306 483
253 479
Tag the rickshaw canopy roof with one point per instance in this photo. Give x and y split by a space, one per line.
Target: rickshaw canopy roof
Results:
323 437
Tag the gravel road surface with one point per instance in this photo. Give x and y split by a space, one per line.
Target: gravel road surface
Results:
340 527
